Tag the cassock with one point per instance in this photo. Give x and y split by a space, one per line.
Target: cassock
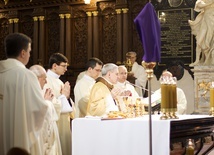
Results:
82 91
54 83
100 100
22 108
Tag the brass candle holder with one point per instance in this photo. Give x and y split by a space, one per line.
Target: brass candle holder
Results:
128 65
149 66
212 100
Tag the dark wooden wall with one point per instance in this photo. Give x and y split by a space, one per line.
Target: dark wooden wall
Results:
103 29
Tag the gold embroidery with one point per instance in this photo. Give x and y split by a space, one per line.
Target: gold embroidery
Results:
1 97
100 79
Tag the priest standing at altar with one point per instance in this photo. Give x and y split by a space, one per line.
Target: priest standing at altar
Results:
137 75
123 83
58 66
83 86
103 94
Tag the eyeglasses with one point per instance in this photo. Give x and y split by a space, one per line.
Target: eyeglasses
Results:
132 57
98 70
64 66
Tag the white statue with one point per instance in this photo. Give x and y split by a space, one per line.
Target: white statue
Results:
203 28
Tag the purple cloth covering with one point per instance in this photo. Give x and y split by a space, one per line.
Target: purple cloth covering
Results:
148 27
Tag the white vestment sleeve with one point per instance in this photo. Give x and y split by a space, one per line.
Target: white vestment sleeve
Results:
65 104
182 102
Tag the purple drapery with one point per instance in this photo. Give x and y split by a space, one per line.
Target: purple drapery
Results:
148 27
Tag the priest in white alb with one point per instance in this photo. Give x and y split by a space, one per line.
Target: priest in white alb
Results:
50 134
22 105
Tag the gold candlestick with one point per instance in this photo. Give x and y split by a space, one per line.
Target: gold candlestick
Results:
149 66
128 65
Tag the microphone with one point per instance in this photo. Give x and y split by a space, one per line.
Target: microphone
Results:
127 82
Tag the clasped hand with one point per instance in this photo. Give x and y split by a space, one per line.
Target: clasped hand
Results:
120 92
66 90
48 94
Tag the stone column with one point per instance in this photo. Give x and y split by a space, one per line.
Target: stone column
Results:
41 40
203 77
35 40
68 37
16 25
119 37
89 43
95 34
62 33
125 32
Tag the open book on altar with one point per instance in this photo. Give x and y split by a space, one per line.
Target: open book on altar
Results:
155 99
155 102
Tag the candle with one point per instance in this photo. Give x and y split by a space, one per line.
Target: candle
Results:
171 96
148 28
190 150
211 97
174 93
190 146
164 97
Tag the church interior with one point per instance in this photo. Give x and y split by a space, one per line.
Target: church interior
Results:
81 29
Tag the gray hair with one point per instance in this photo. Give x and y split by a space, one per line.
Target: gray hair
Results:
131 53
37 70
109 67
122 66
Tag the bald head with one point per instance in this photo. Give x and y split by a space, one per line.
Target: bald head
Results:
166 74
40 72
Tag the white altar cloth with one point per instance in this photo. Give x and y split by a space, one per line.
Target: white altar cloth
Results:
93 136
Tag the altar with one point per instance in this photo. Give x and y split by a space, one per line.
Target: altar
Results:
96 136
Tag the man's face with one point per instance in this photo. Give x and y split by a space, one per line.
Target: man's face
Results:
96 71
132 58
113 76
122 76
61 68
42 80
26 54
